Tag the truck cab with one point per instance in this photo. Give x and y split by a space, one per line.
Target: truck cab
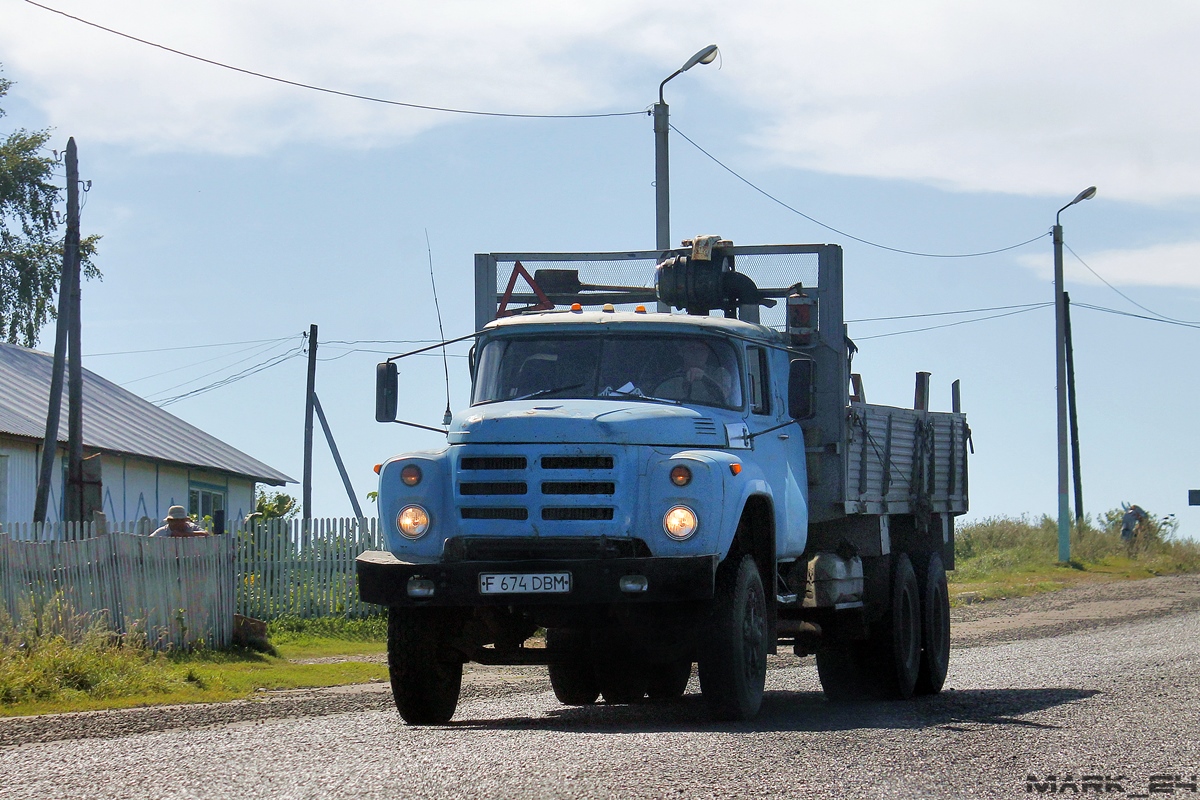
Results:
640 485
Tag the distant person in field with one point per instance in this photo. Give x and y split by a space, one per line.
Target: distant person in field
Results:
179 524
1133 515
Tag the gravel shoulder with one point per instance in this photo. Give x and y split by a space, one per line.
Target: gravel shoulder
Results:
986 623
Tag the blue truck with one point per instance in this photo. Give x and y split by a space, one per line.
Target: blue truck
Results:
668 461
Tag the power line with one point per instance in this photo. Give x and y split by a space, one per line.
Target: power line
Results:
953 324
208 374
274 361
188 347
337 92
1159 319
946 313
816 221
1127 297
256 348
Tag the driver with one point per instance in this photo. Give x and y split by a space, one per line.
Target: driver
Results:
702 380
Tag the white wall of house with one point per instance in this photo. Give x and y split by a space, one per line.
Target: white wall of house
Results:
131 487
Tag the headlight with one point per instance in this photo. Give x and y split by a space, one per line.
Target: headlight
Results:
413 521
680 522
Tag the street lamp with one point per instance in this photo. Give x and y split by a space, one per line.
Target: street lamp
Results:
662 177
1060 324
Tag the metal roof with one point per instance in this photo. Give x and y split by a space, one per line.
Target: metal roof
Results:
114 420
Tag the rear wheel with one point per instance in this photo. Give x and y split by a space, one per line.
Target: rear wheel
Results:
574 681
887 664
425 679
935 628
733 664
898 643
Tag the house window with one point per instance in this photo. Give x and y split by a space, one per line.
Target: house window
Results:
205 502
760 386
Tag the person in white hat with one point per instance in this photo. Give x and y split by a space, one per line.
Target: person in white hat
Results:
178 524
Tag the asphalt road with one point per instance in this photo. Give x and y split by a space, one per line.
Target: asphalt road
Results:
1119 700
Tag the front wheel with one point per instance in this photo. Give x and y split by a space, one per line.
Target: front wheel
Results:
573 681
733 663
425 679
668 681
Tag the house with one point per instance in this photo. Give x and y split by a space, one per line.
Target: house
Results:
149 459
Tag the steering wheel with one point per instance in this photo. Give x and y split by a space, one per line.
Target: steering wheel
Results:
714 390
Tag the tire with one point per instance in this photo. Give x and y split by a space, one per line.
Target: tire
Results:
733 662
425 680
574 682
845 672
935 628
897 644
621 682
668 681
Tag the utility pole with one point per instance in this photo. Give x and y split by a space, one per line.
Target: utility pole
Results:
74 493
1060 362
61 328
308 421
1074 415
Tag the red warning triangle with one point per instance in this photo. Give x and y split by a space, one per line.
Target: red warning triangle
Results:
543 305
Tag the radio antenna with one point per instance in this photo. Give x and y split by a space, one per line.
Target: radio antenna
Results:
442 333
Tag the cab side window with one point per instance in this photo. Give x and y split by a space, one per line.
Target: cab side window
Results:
760 386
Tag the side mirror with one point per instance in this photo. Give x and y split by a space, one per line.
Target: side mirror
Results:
387 388
801 397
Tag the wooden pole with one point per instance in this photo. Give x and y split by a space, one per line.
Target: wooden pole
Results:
337 457
74 495
65 306
308 421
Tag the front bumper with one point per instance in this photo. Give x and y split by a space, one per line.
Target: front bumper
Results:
383 579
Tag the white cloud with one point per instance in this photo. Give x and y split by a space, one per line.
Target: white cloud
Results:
1175 265
1015 96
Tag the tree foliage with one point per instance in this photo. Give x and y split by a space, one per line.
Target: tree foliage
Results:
30 245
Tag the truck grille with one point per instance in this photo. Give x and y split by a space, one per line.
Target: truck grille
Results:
566 488
577 462
578 487
495 513
493 462
493 487
577 514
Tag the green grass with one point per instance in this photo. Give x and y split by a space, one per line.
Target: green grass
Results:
1013 557
53 664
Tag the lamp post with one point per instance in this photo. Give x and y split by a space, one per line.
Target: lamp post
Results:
662 167
1060 339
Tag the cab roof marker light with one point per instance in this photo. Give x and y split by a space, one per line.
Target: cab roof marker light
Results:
608 308
577 308
639 310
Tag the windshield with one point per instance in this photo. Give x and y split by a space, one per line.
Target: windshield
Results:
678 369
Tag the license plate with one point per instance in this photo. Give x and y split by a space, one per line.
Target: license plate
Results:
524 583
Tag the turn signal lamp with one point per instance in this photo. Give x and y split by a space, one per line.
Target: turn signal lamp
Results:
736 469
681 475
410 475
377 468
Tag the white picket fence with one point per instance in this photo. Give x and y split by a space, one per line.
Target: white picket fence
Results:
303 569
177 592
186 590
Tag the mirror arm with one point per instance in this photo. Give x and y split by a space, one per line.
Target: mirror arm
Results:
774 428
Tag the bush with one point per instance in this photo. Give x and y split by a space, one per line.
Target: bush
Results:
1007 544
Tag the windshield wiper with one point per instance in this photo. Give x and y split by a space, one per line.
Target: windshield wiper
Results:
541 392
640 396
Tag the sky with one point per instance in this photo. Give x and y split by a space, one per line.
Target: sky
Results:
236 209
